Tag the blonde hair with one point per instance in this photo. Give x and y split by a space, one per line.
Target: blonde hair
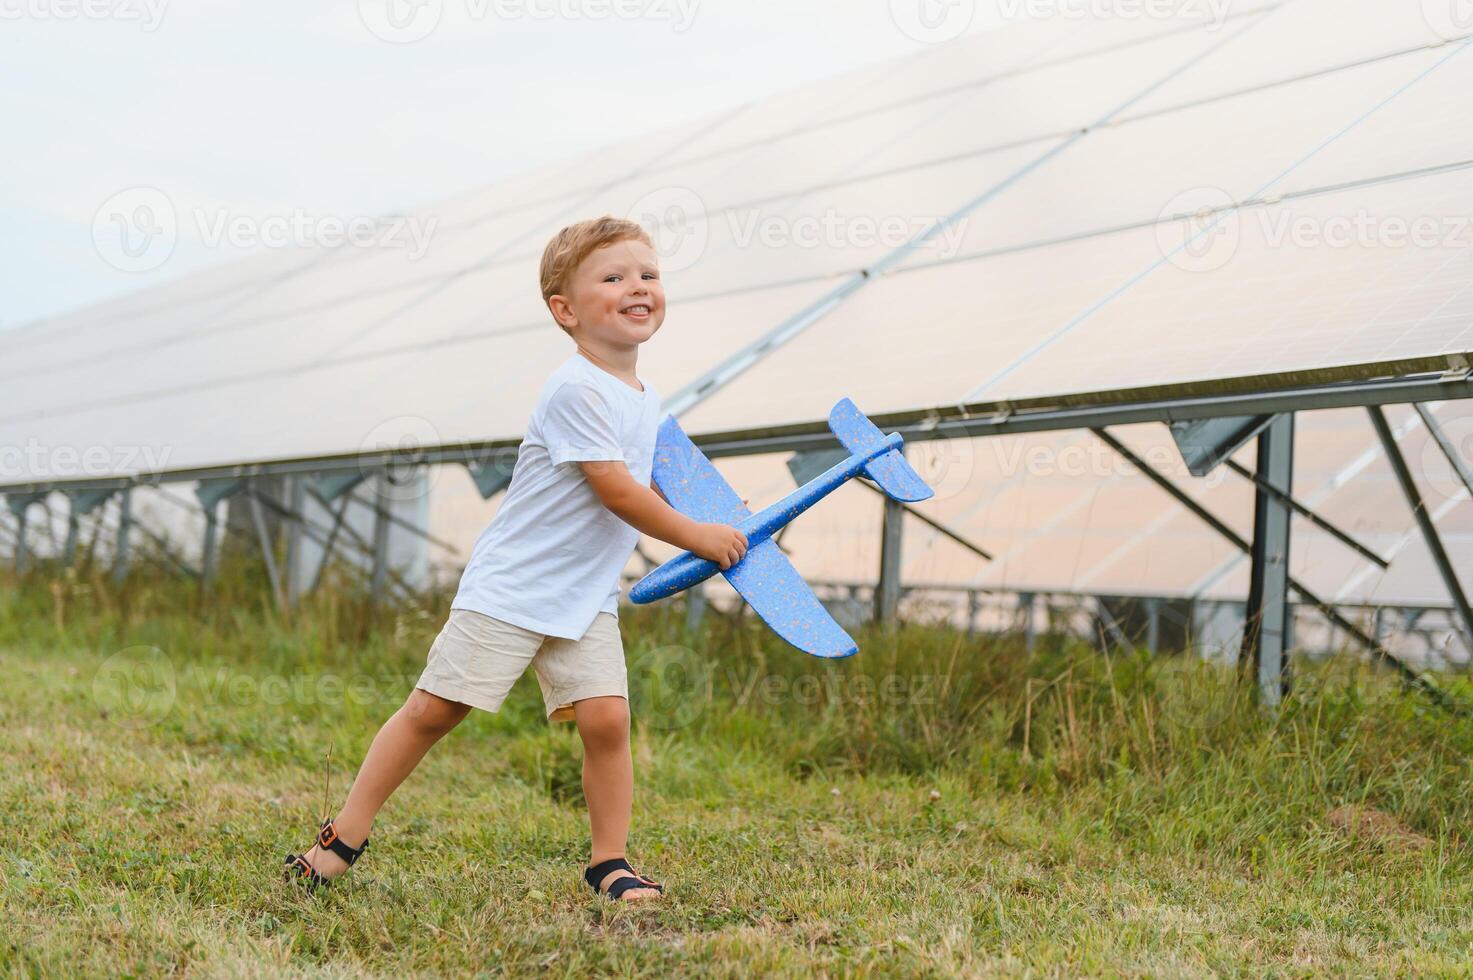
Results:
569 247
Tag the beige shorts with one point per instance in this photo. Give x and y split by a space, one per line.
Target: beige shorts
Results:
476 659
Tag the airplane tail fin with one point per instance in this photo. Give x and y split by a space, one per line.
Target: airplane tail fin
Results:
890 471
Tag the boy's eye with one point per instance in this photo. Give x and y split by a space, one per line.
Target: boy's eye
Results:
650 275
611 277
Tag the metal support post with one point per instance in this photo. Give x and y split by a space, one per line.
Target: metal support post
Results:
125 524
1424 522
1030 631
887 595
1153 626
380 537
73 526
1266 619
268 551
296 564
695 608
1377 650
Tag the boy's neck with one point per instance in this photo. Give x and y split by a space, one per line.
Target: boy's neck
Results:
620 363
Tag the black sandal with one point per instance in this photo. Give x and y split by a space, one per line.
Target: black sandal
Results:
622 884
298 866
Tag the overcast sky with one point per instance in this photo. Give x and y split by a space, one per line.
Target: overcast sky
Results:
261 107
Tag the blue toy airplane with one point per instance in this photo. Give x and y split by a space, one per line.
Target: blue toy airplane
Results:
764 576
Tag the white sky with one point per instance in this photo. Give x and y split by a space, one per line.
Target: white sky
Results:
260 107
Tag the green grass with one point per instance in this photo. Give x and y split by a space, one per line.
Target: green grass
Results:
934 806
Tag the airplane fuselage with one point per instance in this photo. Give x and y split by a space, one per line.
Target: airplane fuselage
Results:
687 569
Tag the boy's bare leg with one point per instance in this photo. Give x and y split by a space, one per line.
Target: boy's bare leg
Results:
608 780
397 748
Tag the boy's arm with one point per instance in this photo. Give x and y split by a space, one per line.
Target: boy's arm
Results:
644 509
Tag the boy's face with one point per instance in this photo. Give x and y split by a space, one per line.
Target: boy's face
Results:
614 298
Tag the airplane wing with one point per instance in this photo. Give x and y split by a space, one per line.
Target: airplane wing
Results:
688 480
773 587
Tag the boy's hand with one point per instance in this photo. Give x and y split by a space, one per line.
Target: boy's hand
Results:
720 543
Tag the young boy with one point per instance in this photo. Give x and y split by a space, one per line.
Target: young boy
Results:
542 584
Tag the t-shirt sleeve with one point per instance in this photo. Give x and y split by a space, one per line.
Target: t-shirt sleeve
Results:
578 426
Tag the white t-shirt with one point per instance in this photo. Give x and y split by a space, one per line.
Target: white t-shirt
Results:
550 559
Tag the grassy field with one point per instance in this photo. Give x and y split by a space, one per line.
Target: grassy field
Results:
933 806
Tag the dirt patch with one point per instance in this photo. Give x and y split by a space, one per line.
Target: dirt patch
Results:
1376 826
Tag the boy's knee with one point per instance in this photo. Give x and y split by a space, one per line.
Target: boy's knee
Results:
603 722
432 714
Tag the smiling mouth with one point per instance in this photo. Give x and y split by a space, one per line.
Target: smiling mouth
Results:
639 309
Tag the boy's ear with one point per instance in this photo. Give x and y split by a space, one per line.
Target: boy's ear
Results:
562 311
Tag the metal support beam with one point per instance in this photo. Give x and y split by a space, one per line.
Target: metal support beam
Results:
1424 522
1266 619
125 524
1455 457
380 537
887 594
1266 486
805 466
268 552
332 539
1410 384
1329 612
296 564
